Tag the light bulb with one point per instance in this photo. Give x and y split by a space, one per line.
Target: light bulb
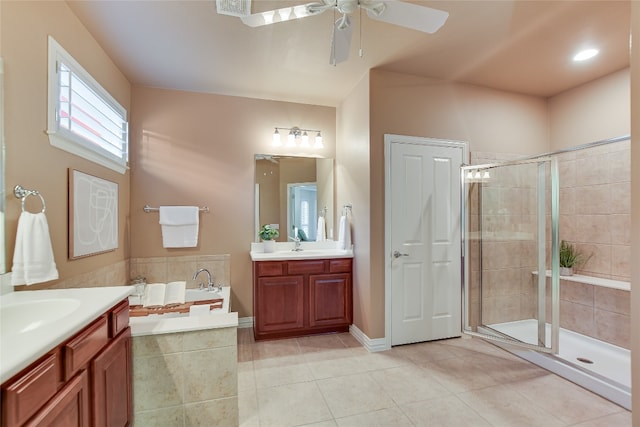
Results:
276 139
486 175
319 143
305 139
291 139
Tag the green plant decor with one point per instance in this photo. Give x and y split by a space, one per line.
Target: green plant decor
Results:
268 233
570 257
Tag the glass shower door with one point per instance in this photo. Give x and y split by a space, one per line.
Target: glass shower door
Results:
510 253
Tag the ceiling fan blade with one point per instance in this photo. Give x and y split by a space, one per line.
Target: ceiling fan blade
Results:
284 14
341 42
411 15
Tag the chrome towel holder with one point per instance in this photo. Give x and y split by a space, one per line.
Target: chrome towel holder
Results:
148 209
22 193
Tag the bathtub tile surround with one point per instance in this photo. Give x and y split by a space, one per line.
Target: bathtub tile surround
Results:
116 274
454 382
168 269
186 379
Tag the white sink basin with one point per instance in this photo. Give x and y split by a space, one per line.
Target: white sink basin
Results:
21 317
34 322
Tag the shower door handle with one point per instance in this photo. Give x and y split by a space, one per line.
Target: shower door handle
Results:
397 254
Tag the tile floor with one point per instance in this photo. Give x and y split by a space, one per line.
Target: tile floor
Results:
331 380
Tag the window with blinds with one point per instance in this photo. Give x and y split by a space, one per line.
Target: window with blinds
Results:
84 118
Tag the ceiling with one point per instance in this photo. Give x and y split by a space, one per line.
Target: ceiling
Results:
518 46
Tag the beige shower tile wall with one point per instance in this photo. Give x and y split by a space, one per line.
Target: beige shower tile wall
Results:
169 269
595 209
186 379
507 256
598 312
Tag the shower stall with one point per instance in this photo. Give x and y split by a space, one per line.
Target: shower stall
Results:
511 282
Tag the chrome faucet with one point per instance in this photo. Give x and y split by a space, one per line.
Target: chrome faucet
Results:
210 285
297 247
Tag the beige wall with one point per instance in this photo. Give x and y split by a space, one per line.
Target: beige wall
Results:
489 120
198 149
353 186
591 112
30 160
635 210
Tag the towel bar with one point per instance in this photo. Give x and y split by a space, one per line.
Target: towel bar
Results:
148 209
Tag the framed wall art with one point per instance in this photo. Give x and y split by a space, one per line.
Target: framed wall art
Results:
93 215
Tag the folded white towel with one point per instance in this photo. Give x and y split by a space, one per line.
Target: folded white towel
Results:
33 255
321 233
179 226
344 233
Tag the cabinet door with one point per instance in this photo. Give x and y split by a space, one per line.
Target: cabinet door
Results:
279 303
111 383
68 408
330 299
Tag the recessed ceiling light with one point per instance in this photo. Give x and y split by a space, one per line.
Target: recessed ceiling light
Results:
585 54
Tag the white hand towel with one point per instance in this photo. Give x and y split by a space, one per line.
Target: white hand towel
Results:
321 233
344 233
179 226
33 255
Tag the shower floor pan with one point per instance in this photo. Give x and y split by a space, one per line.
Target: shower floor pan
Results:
596 365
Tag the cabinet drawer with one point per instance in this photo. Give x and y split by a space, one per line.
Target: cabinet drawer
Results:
270 268
307 266
84 346
119 318
24 396
340 265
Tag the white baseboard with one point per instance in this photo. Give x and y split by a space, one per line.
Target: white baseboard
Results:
372 345
245 322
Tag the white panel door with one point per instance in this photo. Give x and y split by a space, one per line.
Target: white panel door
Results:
424 239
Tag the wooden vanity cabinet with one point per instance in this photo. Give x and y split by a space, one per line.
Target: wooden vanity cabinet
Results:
85 381
301 297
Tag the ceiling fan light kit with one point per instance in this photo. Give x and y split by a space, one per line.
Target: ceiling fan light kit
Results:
408 15
237 8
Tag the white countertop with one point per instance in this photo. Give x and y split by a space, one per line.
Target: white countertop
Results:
310 250
20 348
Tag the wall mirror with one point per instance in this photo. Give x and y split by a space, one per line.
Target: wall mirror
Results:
291 193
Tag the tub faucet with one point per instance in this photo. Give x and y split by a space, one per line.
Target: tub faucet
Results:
210 285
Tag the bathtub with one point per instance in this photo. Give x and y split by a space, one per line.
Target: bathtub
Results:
175 322
600 367
186 367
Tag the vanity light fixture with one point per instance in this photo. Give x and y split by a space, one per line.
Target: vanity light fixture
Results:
478 176
297 137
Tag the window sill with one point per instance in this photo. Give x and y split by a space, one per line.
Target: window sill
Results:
74 148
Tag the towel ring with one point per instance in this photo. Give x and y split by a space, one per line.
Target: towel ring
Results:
22 193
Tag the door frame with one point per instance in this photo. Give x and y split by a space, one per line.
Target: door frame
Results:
403 139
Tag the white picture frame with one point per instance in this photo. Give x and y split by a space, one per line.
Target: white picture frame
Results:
93 215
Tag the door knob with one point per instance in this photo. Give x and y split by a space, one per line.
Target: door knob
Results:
397 254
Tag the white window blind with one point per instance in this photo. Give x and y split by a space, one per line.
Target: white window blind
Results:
84 119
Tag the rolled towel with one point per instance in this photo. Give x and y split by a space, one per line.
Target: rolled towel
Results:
33 255
321 233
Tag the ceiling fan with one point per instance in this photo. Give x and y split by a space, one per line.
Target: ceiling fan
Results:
395 12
